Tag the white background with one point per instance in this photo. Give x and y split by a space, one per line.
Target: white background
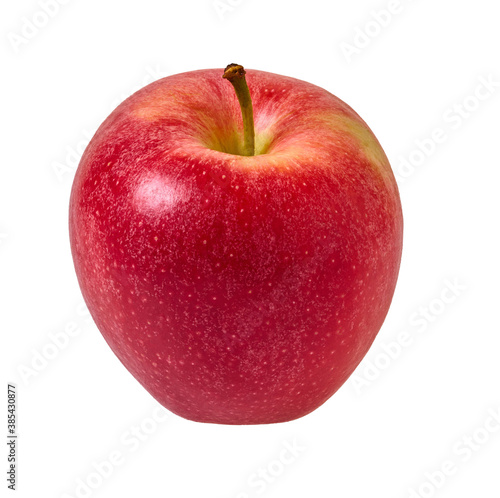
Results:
399 419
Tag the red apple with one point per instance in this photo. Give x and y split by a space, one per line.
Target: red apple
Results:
237 289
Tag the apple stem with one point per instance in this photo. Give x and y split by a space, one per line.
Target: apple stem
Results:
235 74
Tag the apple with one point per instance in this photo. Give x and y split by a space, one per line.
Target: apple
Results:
237 245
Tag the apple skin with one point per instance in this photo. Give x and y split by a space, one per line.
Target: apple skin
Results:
236 290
